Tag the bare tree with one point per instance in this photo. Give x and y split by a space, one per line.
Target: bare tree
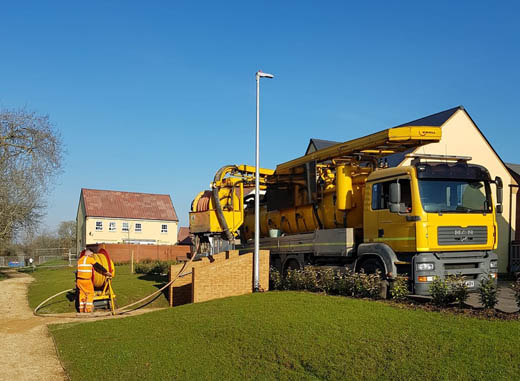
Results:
67 234
31 153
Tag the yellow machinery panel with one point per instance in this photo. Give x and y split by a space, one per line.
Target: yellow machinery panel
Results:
221 210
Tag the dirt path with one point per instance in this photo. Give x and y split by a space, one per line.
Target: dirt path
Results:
27 351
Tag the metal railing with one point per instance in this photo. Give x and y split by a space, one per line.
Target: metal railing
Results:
14 261
47 257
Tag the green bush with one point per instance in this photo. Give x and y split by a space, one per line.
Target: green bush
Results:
459 289
326 280
275 279
399 289
346 283
488 292
449 290
367 285
516 289
307 279
441 292
292 280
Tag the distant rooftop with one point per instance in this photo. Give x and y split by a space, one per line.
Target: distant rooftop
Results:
433 120
514 170
183 237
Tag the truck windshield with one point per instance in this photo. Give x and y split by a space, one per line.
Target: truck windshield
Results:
455 196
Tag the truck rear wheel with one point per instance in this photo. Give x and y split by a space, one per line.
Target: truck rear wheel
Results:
291 264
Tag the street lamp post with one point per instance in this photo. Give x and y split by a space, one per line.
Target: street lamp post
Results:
256 284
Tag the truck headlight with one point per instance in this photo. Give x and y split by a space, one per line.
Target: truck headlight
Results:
425 266
493 264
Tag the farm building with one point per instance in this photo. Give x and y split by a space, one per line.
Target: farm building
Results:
125 217
462 137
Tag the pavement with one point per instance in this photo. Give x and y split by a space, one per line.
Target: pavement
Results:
506 298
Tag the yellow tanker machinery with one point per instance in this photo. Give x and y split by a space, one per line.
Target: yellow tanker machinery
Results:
342 206
219 213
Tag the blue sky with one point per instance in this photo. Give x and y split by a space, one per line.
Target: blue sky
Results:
156 96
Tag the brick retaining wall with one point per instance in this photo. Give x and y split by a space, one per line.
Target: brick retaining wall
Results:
121 253
227 274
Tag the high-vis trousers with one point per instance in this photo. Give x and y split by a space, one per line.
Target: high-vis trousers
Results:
86 295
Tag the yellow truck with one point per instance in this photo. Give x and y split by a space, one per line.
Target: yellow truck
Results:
343 206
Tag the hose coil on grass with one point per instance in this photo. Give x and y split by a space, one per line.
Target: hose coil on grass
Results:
118 311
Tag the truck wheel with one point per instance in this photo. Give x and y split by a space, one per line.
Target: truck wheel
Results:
370 266
291 264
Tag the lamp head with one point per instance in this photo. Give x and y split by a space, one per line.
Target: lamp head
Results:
264 75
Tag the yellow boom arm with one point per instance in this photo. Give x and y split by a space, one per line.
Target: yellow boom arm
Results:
392 140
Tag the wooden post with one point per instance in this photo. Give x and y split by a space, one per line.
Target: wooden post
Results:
132 263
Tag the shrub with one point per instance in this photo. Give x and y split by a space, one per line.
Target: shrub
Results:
440 292
399 289
366 285
516 289
153 267
345 283
275 279
488 292
327 280
307 279
459 289
293 280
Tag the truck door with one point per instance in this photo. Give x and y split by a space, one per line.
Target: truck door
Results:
394 229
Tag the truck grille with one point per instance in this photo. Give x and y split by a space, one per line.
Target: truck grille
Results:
457 235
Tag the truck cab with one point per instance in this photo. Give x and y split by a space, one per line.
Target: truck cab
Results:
437 217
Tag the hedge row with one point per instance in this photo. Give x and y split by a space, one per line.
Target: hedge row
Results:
335 282
450 290
153 267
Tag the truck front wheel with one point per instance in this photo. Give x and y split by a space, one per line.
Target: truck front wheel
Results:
371 266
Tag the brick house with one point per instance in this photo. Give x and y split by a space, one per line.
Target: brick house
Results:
125 217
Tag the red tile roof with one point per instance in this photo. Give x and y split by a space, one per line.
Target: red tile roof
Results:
183 236
146 206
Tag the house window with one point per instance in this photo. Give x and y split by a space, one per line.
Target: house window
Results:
164 228
99 226
138 228
112 226
125 227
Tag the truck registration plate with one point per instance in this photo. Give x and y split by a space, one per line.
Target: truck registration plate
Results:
470 283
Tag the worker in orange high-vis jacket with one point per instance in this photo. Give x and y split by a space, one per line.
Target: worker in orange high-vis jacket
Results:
86 265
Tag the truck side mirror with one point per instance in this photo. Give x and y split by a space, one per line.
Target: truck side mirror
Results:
394 204
500 186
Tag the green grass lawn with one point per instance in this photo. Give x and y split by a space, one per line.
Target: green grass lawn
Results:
290 335
127 287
